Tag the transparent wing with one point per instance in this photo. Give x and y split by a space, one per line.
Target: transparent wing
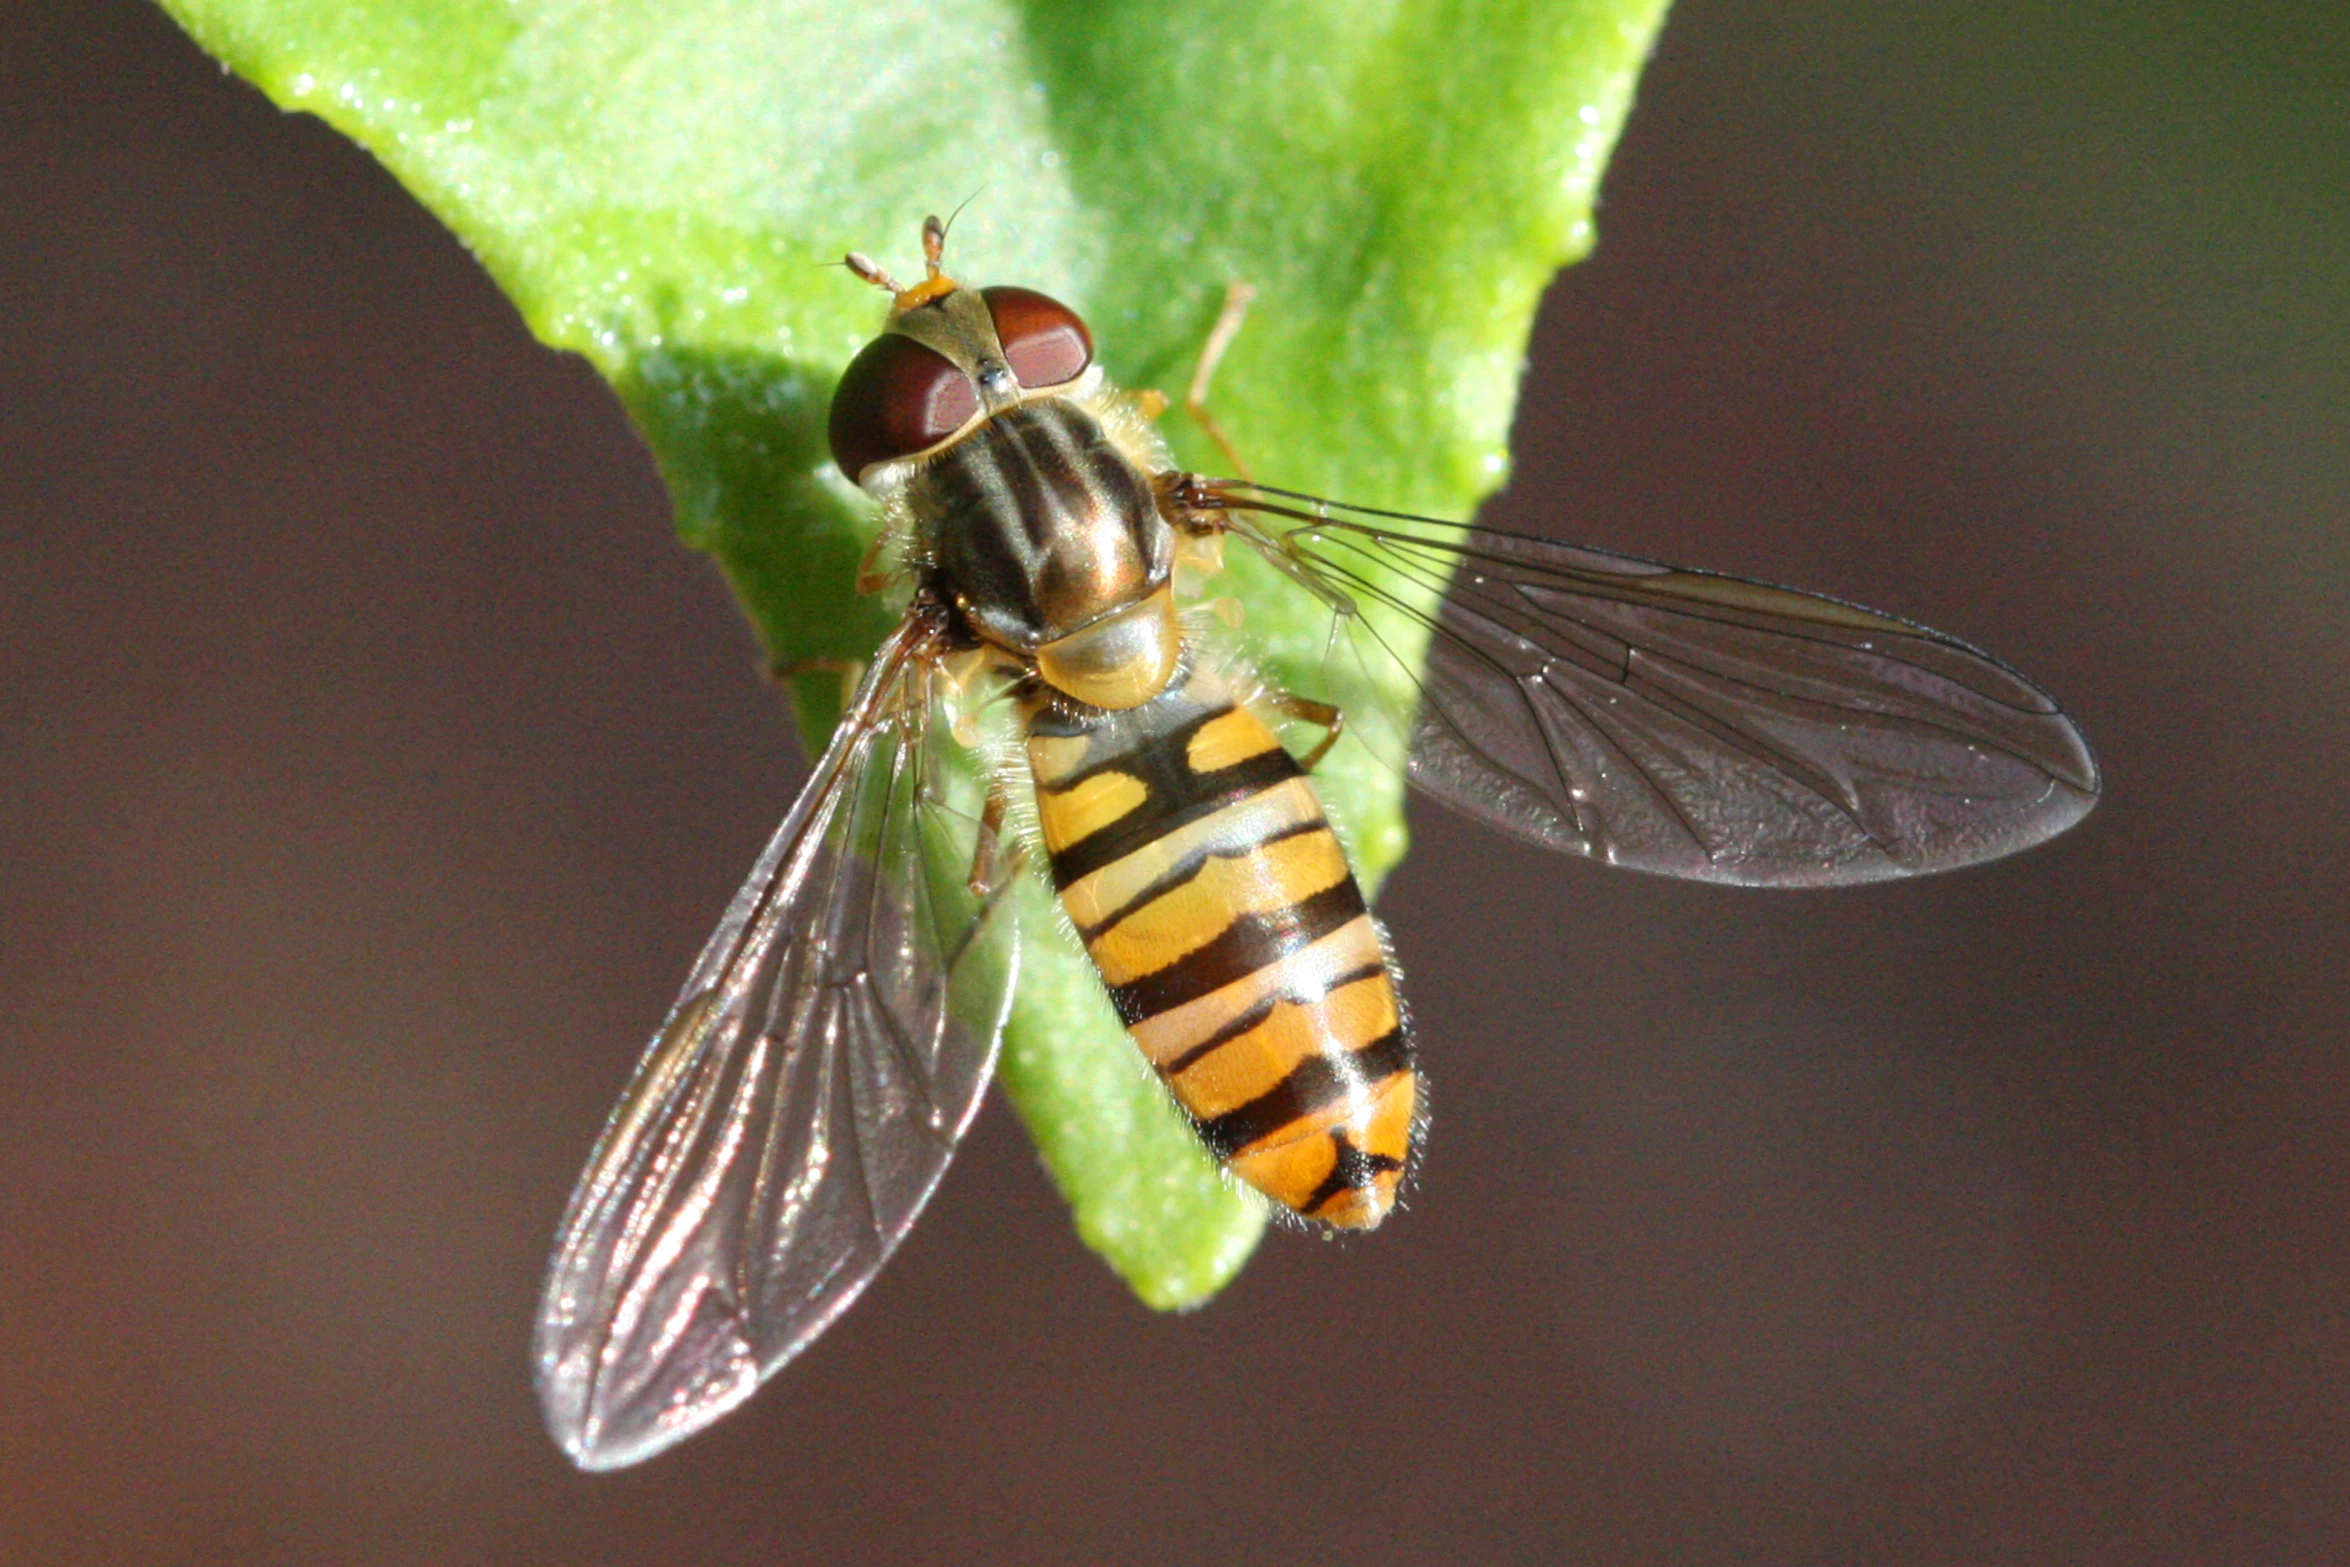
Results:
1672 721
798 1106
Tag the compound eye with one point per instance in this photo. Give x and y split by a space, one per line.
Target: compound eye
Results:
896 398
1044 342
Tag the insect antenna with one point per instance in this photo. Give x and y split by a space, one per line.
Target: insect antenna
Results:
870 270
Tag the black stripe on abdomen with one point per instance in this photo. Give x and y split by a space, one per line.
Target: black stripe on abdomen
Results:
1188 869
1250 943
1312 1084
1257 1014
1175 795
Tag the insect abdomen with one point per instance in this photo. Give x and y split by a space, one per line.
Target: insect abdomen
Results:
1196 863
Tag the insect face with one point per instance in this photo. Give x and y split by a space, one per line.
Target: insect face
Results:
946 353
1031 515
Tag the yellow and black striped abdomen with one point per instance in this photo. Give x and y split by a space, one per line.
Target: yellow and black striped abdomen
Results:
1196 863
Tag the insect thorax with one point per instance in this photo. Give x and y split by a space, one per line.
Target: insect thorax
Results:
1036 526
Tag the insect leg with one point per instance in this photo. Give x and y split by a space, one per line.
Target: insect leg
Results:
1330 720
875 571
1211 354
994 867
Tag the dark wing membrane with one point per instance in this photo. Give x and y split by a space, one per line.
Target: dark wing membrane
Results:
1672 721
796 1109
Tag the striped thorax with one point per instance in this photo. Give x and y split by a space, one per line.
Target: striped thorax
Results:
1045 535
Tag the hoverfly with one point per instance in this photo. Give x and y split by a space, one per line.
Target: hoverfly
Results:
832 1043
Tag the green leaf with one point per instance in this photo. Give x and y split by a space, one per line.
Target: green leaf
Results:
655 185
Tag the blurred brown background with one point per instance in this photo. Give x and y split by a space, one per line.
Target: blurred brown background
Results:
372 764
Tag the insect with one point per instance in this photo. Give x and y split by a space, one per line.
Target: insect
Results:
799 1104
